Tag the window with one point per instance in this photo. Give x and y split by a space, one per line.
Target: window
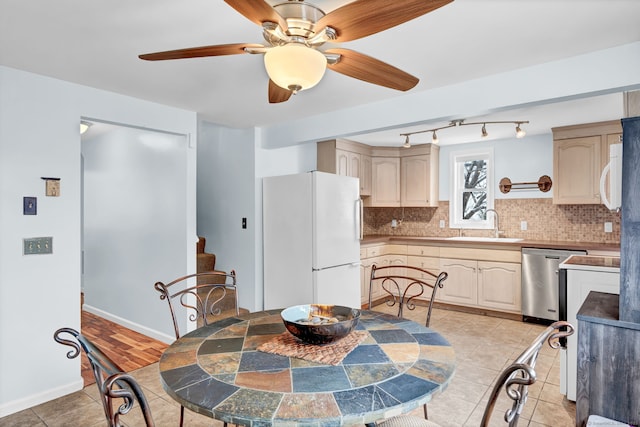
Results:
471 184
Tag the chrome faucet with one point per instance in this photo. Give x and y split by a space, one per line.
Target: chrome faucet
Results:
496 222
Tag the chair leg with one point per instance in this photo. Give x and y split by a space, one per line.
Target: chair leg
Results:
181 415
426 416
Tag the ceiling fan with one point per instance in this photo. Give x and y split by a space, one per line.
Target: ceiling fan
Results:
295 30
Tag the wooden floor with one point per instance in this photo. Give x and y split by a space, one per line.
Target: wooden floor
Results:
129 349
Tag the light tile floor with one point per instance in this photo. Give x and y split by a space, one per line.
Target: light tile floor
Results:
483 345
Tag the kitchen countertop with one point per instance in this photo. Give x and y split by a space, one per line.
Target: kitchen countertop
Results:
525 243
592 263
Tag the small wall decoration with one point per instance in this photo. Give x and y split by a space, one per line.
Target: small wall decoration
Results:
29 205
52 186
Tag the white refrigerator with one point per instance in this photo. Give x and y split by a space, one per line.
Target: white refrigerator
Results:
312 226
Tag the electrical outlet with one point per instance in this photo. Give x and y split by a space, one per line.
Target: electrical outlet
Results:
523 225
608 227
442 223
37 245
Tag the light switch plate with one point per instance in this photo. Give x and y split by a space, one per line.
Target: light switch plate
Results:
30 206
442 223
523 225
608 227
37 245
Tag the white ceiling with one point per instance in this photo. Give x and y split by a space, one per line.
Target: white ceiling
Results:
96 43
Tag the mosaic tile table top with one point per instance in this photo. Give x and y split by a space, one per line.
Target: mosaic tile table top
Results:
217 371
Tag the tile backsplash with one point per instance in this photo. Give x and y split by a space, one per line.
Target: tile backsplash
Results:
545 221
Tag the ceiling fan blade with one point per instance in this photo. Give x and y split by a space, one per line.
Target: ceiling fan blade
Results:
371 70
362 18
197 52
278 94
257 11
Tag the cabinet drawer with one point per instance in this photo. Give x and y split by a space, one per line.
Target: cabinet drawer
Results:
433 251
374 251
427 263
395 249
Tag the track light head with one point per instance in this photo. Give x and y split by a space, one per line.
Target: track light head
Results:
484 130
520 133
434 138
406 144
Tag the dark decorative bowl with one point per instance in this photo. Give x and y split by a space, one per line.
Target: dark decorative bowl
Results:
320 324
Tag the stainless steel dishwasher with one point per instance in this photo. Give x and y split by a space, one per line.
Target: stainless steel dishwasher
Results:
540 283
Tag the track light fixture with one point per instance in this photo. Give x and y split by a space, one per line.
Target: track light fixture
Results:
406 144
520 133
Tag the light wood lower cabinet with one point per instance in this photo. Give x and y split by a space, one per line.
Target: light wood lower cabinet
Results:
491 285
499 286
461 287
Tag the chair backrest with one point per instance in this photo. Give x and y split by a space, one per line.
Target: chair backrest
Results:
112 382
405 283
520 374
202 294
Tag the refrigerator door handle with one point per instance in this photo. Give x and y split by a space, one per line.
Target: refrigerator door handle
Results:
350 264
360 217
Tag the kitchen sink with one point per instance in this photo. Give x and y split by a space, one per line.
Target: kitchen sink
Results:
485 239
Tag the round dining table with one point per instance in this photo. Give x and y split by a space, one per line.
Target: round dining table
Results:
217 370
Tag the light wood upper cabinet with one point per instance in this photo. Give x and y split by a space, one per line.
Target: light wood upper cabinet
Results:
365 175
346 158
385 185
392 176
580 153
419 180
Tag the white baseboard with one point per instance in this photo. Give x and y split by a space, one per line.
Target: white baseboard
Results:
160 336
38 398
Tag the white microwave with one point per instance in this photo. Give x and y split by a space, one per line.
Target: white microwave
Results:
612 196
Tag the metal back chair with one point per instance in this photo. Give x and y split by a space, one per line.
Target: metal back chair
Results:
112 382
202 294
403 284
520 374
514 381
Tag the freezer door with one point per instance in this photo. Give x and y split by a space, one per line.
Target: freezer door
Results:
338 285
336 220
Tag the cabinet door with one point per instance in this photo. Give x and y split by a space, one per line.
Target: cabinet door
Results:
499 286
365 175
461 287
385 189
430 264
365 277
415 183
576 170
355 168
342 162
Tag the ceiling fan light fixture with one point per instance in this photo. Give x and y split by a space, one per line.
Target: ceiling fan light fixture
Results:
294 66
